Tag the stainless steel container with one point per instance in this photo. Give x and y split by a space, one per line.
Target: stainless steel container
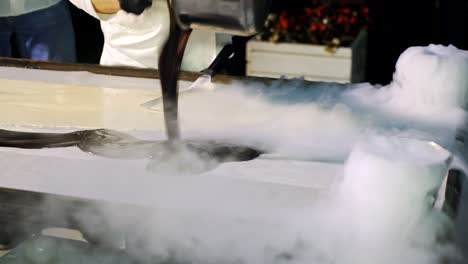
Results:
238 17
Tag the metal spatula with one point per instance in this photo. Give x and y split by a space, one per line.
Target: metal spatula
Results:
203 81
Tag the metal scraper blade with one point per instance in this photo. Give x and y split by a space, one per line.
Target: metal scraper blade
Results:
203 82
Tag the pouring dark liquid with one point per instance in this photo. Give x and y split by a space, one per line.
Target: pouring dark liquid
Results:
169 68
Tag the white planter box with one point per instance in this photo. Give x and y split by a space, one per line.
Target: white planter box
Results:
313 62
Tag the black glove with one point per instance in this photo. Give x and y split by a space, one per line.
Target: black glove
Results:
135 6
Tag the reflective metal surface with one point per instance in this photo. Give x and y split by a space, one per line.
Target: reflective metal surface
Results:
238 17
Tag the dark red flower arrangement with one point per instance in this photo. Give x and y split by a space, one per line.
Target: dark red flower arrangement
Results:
332 24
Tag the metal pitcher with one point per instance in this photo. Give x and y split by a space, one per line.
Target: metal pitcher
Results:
237 17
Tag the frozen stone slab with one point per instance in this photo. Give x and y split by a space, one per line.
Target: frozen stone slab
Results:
255 184
79 78
296 122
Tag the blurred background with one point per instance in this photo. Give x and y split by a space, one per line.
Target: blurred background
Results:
344 41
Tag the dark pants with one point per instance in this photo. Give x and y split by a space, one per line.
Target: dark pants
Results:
46 34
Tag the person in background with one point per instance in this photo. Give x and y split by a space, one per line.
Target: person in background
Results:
137 40
37 29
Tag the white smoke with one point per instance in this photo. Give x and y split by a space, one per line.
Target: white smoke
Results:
380 212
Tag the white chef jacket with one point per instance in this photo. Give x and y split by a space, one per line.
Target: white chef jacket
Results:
21 7
137 41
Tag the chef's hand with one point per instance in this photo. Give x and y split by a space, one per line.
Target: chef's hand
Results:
106 6
135 6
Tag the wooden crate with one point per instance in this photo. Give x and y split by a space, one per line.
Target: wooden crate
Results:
313 62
